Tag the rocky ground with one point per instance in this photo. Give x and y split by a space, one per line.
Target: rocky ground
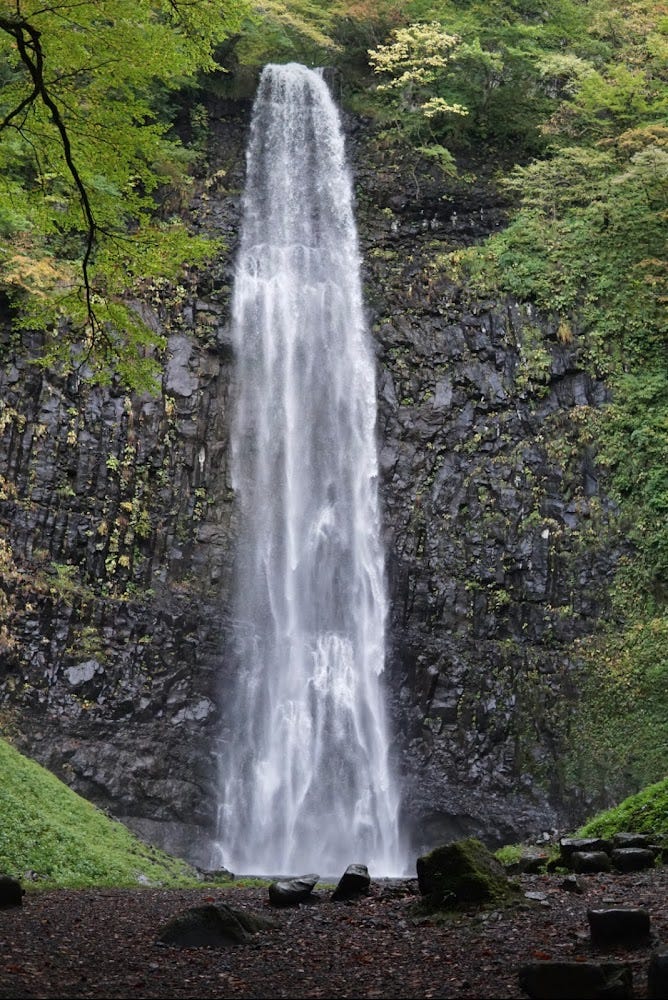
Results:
103 943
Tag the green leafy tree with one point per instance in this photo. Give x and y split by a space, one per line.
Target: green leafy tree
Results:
83 153
505 68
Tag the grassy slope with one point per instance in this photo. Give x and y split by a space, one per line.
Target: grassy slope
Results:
47 828
646 812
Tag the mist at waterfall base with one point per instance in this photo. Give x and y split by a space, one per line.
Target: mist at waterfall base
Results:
306 783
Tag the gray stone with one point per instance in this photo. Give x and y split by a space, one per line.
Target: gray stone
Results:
571 845
572 884
83 672
180 379
624 839
291 892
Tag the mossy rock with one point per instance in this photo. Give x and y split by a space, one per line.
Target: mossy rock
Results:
463 872
214 925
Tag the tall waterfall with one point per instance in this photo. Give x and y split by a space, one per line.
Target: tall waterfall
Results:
305 780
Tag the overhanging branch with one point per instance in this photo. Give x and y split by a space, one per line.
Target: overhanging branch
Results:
31 53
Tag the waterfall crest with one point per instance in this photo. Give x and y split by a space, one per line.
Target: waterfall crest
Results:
306 783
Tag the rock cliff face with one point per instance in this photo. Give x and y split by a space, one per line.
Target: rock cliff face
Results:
121 519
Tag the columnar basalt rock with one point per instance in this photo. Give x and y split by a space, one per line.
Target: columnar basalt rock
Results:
121 518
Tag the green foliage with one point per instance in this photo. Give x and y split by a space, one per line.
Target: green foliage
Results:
83 155
645 812
412 67
509 854
587 245
49 830
588 238
299 31
634 443
619 726
502 63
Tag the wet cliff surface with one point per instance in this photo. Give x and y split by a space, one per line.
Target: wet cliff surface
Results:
121 518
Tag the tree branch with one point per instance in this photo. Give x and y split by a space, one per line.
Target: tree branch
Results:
31 53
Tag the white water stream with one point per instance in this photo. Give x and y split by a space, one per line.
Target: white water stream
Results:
306 784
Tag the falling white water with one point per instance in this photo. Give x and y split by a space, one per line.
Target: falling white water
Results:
305 779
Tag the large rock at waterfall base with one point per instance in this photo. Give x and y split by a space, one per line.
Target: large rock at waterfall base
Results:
354 882
462 872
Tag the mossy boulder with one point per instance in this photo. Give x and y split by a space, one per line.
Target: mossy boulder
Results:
213 925
461 873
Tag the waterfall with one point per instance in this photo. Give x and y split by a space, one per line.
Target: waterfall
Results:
306 783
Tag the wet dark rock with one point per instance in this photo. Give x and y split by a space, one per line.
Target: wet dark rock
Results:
571 845
215 874
557 980
573 884
624 839
617 925
532 862
11 892
291 892
354 882
657 974
632 859
588 862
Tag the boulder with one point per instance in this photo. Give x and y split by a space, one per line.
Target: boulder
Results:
462 872
556 980
11 893
572 884
215 875
571 845
632 859
354 882
618 925
290 892
589 862
657 975
214 925
625 839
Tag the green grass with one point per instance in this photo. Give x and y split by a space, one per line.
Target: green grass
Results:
48 829
645 812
